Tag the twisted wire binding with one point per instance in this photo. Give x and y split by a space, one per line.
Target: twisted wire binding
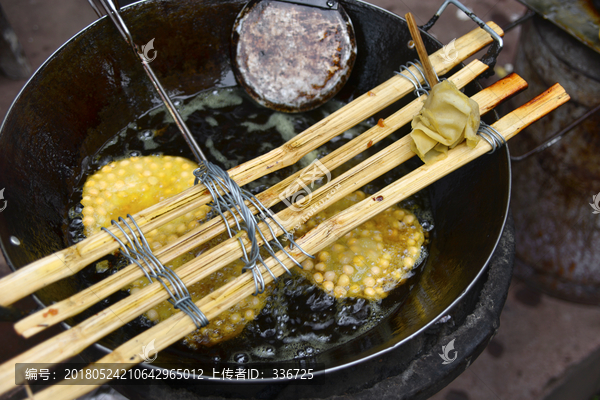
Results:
229 197
416 82
137 250
491 135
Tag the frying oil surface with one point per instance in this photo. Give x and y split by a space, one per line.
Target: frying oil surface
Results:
320 307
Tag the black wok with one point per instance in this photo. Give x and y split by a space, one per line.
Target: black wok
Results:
93 86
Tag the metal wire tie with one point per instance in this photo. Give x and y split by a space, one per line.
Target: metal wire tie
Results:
416 82
138 251
491 135
228 196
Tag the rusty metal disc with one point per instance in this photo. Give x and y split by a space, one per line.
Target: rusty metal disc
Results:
293 57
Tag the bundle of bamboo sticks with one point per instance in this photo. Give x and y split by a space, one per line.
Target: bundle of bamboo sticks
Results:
69 261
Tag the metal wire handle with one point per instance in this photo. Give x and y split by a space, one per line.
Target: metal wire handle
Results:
137 250
492 55
556 137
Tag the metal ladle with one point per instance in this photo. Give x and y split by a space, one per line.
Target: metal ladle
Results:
293 55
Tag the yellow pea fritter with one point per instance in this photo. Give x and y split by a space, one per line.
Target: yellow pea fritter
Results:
370 260
134 184
131 185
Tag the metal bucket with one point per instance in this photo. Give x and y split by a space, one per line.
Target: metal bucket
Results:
557 231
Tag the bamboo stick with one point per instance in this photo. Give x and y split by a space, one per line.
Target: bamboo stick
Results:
176 327
71 260
94 328
75 304
421 51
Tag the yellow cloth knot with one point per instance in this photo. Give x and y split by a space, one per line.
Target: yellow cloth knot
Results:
447 117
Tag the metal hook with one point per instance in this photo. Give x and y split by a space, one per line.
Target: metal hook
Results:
492 55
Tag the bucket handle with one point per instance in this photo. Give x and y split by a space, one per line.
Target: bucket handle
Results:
491 56
557 136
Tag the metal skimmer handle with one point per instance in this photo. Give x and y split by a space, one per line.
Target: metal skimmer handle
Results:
227 197
113 13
